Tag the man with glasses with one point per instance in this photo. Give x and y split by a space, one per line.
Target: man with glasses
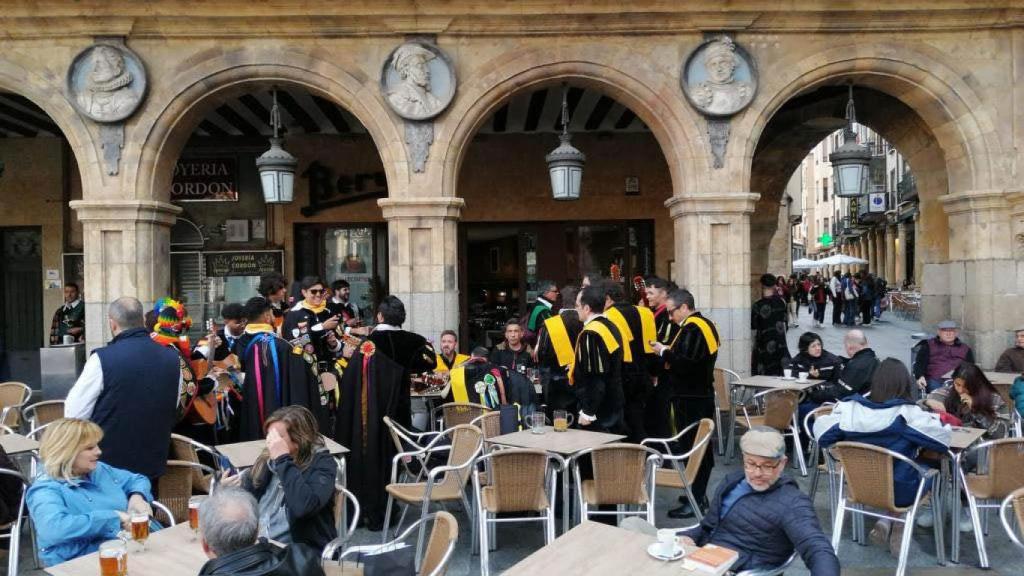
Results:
312 317
763 515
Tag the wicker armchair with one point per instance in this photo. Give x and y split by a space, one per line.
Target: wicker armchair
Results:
187 450
433 561
684 466
13 397
776 408
176 486
42 413
454 413
406 440
724 380
489 423
521 483
623 476
986 490
1014 501
868 475
444 483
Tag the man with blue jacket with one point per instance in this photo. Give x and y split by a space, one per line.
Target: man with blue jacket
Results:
763 515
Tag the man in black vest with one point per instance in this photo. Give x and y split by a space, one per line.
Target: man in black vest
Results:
130 388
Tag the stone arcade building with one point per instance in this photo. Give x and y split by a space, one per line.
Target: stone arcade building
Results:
940 80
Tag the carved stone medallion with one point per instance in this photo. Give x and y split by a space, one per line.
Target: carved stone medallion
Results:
106 82
719 77
418 81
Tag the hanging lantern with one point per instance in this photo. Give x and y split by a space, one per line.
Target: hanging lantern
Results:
565 163
850 161
277 166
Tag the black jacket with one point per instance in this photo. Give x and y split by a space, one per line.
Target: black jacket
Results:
765 527
828 364
308 496
690 362
264 559
854 379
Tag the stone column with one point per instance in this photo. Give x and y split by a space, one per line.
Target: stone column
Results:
127 247
423 260
872 262
890 256
712 253
983 296
900 266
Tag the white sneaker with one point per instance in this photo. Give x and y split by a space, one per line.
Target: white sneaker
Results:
925 517
965 520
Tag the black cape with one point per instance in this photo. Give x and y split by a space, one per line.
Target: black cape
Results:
414 354
597 377
690 364
768 320
366 435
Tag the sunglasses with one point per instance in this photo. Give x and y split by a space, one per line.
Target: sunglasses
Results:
315 291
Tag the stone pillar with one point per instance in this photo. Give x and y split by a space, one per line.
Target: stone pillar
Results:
982 295
900 267
872 262
780 249
712 252
423 260
127 246
890 256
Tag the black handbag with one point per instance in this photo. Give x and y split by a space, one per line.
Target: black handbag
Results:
398 562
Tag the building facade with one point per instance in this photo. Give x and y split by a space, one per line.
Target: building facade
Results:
686 170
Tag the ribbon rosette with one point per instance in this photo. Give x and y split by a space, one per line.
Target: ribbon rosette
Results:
367 348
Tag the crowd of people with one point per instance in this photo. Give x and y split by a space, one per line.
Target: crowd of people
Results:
293 372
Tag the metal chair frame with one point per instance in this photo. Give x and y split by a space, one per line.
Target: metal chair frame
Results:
680 461
415 439
29 415
167 511
14 529
816 453
842 506
554 465
979 522
794 427
731 377
419 526
203 468
1004 509
654 460
344 532
18 406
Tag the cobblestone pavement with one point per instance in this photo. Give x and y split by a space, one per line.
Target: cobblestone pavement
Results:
892 337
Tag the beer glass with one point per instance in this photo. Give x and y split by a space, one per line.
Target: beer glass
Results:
140 528
562 420
537 422
113 558
193 514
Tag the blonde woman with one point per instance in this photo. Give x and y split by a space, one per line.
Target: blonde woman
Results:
79 502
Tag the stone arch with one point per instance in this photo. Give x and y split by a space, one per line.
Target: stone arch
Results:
660 107
208 79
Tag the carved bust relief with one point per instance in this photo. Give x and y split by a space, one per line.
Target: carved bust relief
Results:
106 82
418 81
719 78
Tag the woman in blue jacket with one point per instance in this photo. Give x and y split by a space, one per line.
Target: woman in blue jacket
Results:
78 502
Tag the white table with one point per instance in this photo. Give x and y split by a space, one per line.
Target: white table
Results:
169 552
244 454
17 444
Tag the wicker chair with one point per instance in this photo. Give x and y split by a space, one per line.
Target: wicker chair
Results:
1014 501
454 413
489 423
13 397
444 483
433 561
1015 419
520 482
176 486
187 450
43 412
12 531
623 476
1005 470
867 471
406 440
777 409
724 380
684 466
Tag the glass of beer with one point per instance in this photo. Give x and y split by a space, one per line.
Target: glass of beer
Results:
193 514
113 558
562 420
140 528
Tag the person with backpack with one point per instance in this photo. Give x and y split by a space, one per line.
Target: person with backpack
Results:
850 298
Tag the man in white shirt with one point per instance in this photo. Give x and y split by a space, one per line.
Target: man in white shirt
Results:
835 294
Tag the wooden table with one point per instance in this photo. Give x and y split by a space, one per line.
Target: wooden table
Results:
244 454
1001 378
565 443
169 552
17 444
964 437
595 549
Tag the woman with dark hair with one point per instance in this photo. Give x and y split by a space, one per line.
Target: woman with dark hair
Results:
293 481
814 359
890 419
973 401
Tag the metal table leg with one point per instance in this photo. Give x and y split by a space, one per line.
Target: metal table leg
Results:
566 510
954 515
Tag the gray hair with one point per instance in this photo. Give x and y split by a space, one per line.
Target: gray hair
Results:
126 312
228 520
856 337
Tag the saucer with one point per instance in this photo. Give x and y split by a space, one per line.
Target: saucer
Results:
788 378
655 551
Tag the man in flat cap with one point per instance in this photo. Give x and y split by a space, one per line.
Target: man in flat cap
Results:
1012 359
936 357
764 515
412 95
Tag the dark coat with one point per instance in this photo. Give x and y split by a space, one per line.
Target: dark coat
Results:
765 528
308 497
414 354
922 356
828 364
854 379
690 363
263 559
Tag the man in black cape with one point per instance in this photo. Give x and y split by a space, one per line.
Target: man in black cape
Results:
638 329
597 370
276 374
555 342
410 350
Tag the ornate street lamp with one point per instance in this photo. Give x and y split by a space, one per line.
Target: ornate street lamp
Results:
565 163
277 166
850 161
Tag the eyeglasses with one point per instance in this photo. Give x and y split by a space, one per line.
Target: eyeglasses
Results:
762 468
671 310
316 291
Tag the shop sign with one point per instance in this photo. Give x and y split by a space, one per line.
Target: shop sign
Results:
220 264
328 191
205 180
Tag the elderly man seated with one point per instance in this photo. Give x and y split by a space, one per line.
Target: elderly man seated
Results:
228 531
763 515
1012 359
939 356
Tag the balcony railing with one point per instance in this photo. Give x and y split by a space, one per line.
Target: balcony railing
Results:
906 189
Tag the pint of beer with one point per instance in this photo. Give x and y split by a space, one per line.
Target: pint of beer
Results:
113 558
140 529
193 514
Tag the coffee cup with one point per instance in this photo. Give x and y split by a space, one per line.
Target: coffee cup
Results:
69 339
667 542
803 376
787 372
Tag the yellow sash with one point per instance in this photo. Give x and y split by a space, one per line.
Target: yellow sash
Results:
705 328
619 320
459 359
606 335
647 326
458 382
560 339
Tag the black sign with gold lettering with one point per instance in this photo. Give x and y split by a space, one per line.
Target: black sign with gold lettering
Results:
205 180
222 264
326 191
